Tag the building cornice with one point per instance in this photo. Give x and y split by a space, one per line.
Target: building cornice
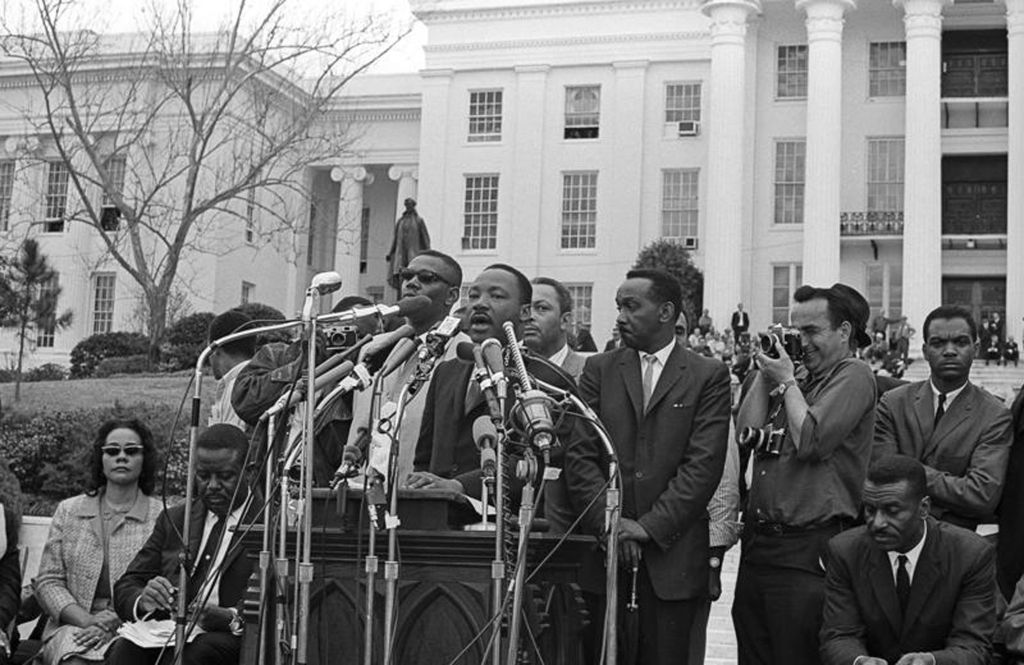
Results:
568 42
432 11
379 115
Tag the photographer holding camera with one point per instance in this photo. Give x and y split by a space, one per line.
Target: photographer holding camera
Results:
811 441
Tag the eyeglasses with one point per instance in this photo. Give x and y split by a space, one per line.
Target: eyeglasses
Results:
114 451
424 276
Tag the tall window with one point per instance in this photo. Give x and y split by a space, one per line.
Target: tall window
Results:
789 182
887 69
56 201
45 332
248 292
110 214
679 203
103 302
579 210
682 102
480 213
6 192
582 303
791 72
484 115
885 289
785 280
885 175
582 111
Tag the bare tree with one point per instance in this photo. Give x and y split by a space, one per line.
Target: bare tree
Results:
170 137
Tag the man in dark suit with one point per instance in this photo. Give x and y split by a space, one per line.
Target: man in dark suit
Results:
667 411
220 569
808 473
1010 547
906 589
546 332
446 454
958 431
740 323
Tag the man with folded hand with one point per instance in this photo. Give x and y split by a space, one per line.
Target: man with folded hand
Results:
220 569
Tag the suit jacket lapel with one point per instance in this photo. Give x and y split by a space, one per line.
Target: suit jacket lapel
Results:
958 411
670 375
629 364
924 409
927 575
884 585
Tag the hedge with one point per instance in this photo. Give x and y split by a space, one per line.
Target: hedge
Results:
88 353
185 340
49 452
127 365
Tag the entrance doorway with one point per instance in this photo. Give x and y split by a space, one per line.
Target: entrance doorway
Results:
981 296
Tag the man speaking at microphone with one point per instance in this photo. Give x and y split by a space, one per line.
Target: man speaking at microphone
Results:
439 277
446 453
274 371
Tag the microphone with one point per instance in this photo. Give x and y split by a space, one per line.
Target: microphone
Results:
491 350
536 419
291 398
402 351
325 282
351 458
482 376
485 436
404 307
384 341
437 339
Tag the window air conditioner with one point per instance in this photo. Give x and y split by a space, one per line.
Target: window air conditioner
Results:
689 128
690 242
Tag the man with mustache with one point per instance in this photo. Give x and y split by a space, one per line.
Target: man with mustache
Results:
667 412
905 589
546 332
220 569
446 454
959 432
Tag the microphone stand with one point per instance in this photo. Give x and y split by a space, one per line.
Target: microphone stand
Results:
369 490
184 556
391 565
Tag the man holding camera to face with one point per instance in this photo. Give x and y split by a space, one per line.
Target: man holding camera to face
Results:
809 421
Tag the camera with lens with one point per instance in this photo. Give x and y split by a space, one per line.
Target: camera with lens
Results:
765 441
787 338
340 336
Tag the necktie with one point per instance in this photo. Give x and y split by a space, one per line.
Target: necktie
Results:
939 411
902 582
649 361
205 560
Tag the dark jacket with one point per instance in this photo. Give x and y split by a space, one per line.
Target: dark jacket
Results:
671 458
952 605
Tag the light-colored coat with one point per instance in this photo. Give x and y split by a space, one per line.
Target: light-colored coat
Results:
73 557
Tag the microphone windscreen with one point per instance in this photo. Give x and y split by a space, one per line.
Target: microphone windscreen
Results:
464 350
491 349
483 428
412 305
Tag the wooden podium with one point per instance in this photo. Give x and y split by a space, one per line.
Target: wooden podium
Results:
444 587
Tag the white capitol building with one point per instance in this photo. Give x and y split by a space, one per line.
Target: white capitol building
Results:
875 142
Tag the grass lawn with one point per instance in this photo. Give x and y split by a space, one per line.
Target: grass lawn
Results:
84 393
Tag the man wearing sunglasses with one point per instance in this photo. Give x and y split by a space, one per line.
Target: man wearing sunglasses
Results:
438 277
220 569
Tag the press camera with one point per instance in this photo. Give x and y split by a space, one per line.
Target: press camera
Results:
787 338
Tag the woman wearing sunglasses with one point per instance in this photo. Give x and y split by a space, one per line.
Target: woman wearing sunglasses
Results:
92 539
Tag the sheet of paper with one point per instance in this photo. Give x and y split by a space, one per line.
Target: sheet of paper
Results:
153 633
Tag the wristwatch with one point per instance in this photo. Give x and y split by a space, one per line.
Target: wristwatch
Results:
237 624
781 389
715 562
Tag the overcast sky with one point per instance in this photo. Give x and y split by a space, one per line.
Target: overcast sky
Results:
114 16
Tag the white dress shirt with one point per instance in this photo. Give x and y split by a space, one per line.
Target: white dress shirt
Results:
558 357
950 396
912 556
661 356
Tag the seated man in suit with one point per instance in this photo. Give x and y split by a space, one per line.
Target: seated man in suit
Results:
957 430
446 454
546 332
220 571
905 589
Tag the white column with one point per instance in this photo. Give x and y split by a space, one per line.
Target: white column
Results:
438 132
922 178
723 248
350 217
1015 171
525 245
824 138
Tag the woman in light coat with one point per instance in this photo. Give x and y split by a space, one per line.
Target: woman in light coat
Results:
93 538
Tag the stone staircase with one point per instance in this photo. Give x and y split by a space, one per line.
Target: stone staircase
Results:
1003 382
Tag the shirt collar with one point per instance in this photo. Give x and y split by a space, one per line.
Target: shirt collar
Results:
661 354
558 357
234 372
950 396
